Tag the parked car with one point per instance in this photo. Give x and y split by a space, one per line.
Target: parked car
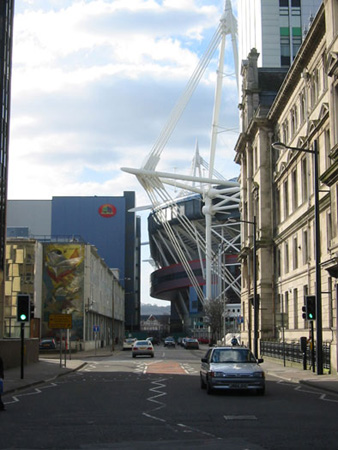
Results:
169 342
231 368
47 344
128 343
191 343
142 348
154 340
203 340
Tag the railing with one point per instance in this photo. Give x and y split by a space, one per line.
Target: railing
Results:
293 352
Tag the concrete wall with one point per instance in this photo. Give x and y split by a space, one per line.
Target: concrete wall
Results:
10 351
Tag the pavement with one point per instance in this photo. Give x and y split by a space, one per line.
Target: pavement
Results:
49 368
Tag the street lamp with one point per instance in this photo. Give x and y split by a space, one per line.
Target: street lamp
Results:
319 330
254 275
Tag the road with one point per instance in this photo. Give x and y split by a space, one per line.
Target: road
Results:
157 403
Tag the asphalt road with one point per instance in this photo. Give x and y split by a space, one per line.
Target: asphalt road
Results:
157 403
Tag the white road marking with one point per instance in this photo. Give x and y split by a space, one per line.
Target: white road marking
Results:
35 392
241 417
301 388
159 393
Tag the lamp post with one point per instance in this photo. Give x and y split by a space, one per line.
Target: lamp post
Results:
254 276
319 331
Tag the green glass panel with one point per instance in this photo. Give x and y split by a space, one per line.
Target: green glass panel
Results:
296 31
284 31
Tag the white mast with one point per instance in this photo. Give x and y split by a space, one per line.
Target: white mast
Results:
153 181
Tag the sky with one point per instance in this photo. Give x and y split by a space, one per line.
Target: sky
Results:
93 85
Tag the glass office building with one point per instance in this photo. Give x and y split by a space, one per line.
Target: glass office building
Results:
6 34
275 28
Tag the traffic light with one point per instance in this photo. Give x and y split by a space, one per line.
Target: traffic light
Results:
310 307
23 307
304 312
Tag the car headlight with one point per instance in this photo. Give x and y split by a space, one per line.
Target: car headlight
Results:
216 374
259 374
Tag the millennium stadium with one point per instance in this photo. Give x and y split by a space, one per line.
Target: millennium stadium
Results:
177 246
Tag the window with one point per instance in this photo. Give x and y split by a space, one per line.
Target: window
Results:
278 205
305 247
305 182
295 252
278 262
295 119
295 308
302 108
296 28
294 190
314 87
286 310
327 144
293 128
328 230
285 57
286 198
286 257
324 75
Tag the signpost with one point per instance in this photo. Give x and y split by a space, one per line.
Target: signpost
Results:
61 322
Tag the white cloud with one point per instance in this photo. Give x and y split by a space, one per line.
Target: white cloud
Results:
93 85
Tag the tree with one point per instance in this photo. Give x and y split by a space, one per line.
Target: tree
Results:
213 310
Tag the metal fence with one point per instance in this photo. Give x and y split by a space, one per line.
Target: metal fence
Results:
293 352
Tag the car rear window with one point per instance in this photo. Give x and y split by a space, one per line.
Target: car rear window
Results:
143 343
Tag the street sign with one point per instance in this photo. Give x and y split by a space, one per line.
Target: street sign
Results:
96 328
61 321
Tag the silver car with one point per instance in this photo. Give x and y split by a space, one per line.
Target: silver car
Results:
231 368
142 348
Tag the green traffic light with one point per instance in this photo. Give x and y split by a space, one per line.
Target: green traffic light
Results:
23 317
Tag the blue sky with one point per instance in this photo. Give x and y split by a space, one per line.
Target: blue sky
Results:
94 82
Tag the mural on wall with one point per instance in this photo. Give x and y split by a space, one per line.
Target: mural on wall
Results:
63 276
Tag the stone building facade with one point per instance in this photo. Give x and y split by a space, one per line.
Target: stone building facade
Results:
298 109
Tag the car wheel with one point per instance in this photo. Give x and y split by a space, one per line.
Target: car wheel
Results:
134 356
261 391
152 356
203 385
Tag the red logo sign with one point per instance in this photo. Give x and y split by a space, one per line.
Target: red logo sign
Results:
107 210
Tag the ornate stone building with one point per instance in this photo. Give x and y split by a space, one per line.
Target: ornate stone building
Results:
299 109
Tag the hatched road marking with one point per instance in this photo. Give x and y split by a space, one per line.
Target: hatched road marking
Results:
167 367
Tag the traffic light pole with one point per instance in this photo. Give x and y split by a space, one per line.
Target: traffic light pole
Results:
312 348
22 347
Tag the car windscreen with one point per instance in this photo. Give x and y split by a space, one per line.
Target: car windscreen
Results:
232 356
